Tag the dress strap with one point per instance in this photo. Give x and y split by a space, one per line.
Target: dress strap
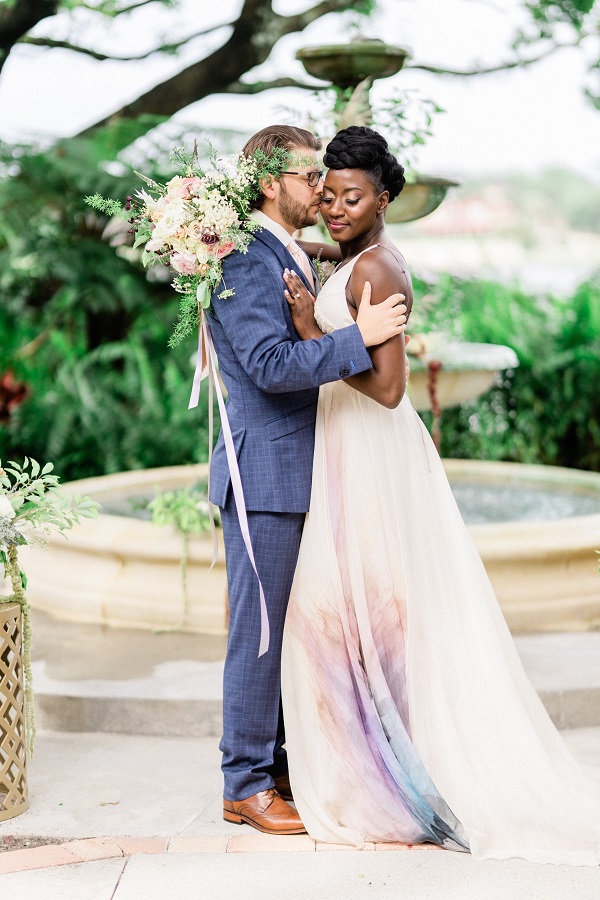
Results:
399 260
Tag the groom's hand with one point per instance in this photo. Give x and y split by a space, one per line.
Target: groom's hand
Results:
382 321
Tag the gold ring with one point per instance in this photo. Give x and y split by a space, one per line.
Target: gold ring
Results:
297 296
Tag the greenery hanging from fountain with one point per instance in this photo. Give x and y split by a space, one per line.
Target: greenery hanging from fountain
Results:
188 511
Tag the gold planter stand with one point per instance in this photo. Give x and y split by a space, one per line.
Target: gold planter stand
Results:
13 755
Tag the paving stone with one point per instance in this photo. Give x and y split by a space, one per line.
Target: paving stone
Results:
203 843
37 858
257 842
95 880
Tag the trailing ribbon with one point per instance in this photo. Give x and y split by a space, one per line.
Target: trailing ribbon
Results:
206 366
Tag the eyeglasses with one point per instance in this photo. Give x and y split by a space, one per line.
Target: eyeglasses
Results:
312 178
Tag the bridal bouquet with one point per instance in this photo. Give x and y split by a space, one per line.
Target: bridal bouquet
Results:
194 220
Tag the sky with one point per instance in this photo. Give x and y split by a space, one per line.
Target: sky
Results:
521 120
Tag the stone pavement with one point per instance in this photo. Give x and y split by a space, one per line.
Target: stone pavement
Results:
138 815
155 802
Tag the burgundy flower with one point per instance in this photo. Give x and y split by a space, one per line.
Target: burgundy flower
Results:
209 237
12 394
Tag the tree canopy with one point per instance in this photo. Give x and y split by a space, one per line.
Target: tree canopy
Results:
252 34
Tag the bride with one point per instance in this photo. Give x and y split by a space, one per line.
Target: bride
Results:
408 715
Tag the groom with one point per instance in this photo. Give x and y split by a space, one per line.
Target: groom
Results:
272 379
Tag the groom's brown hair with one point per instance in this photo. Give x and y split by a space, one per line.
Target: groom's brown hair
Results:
286 137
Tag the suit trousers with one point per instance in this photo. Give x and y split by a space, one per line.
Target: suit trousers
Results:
253 733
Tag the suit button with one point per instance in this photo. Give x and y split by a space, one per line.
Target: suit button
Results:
344 373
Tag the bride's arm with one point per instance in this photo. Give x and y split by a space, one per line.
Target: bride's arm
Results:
321 250
376 322
386 381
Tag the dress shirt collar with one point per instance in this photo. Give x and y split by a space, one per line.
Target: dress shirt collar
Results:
274 227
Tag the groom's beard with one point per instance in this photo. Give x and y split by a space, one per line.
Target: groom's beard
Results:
294 213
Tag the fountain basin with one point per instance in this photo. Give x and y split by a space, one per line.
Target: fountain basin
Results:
468 370
346 65
545 573
122 571
418 198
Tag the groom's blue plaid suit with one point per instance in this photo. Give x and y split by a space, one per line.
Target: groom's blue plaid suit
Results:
272 379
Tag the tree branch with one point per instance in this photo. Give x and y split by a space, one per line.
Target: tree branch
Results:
256 87
87 51
519 63
255 32
19 18
119 12
301 20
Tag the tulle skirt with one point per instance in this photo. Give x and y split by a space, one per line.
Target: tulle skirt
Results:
408 714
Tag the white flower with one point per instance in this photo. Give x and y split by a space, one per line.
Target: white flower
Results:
214 176
6 508
149 201
174 216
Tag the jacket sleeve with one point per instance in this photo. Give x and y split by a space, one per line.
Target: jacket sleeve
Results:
254 322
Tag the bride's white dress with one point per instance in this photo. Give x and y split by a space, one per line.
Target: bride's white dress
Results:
408 714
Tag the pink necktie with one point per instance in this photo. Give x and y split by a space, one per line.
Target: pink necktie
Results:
302 260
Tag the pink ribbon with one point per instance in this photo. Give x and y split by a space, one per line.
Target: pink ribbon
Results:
208 368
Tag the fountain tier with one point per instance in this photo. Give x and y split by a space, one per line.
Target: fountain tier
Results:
123 571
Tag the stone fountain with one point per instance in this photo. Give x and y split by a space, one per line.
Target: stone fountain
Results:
356 65
123 571
443 373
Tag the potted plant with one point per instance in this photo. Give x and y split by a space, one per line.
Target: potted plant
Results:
31 506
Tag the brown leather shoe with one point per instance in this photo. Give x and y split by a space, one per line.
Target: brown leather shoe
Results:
265 811
283 787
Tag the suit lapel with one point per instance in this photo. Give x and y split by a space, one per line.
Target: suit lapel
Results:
284 256
286 261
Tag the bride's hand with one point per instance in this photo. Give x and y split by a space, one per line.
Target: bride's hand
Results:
301 303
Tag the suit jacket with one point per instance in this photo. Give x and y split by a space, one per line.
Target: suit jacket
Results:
272 379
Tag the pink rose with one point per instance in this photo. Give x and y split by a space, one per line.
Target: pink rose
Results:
184 263
222 250
184 188
191 186
154 244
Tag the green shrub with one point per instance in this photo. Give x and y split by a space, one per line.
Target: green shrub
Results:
85 329
548 409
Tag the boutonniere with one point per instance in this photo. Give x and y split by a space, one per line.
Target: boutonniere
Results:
324 268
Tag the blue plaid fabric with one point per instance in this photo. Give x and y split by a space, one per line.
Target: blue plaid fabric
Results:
253 732
272 379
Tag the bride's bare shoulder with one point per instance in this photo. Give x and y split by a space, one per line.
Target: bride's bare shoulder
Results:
385 268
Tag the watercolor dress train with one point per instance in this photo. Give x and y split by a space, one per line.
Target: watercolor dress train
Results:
408 714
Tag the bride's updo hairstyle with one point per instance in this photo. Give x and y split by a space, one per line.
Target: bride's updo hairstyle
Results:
359 147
